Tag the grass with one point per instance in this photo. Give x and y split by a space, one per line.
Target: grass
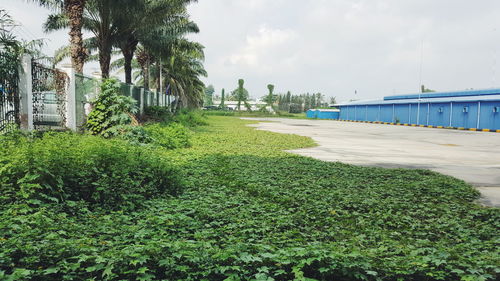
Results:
251 211
257 114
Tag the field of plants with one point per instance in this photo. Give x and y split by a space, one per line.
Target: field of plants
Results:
229 204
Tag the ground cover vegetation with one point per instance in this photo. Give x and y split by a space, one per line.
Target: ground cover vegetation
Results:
255 114
231 206
115 116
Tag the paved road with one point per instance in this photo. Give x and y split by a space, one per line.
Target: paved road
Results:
471 156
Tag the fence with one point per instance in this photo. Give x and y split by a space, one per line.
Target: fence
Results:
87 89
49 95
9 92
38 97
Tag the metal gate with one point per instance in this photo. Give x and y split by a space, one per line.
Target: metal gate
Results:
49 97
9 94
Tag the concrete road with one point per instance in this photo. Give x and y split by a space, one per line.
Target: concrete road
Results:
471 156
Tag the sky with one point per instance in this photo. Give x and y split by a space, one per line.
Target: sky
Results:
348 49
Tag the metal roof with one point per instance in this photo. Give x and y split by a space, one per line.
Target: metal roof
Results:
467 93
325 110
487 97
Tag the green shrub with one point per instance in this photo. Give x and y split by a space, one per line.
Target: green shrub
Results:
110 109
250 211
135 135
62 167
169 136
190 118
219 113
157 114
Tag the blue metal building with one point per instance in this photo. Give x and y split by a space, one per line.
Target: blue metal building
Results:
323 113
473 109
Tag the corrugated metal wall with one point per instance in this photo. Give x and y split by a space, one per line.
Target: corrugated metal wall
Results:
478 115
322 114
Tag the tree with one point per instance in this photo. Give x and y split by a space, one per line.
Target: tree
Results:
11 44
222 100
270 99
183 70
241 95
101 17
209 94
425 90
333 100
73 10
154 24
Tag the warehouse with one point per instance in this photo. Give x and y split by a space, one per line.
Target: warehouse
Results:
472 109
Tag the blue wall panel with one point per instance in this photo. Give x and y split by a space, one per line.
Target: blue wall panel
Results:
464 115
311 113
413 113
343 113
386 113
372 113
360 113
350 113
328 115
402 113
440 114
318 113
489 118
423 116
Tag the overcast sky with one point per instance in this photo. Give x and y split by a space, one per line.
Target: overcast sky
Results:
335 47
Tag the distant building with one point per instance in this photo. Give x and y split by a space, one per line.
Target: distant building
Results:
255 105
471 109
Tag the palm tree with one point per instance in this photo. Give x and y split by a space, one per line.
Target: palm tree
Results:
241 95
183 70
102 18
270 99
153 24
222 100
15 46
73 10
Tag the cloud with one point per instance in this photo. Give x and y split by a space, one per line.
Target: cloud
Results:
260 49
337 46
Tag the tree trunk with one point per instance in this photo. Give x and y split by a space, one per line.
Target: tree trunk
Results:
128 55
143 60
158 77
74 11
105 37
105 59
128 50
146 75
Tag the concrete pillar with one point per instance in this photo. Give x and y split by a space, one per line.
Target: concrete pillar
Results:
478 114
26 94
141 102
70 97
418 113
428 112
393 113
451 113
409 113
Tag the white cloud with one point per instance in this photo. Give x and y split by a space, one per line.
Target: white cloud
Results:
259 48
336 46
